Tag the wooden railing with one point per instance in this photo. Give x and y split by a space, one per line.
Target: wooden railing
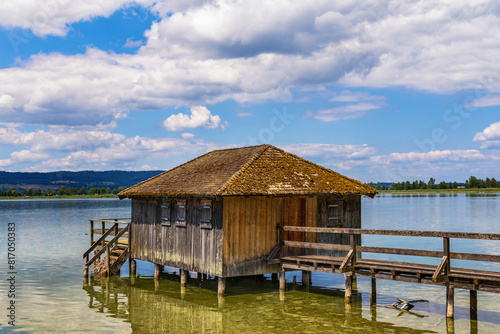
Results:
442 270
102 245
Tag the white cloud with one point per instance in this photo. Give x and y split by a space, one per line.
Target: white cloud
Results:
200 117
203 53
130 43
489 137
330 151
348 105
72 149
487 101
54 17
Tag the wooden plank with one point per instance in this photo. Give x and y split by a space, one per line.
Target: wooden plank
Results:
300 244
400 251
435 234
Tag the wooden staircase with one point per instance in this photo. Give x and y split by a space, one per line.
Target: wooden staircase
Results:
115 251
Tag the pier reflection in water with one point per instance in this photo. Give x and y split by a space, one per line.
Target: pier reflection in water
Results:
253 305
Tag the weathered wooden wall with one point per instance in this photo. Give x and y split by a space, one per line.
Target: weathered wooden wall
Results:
188 247
250 230
352 219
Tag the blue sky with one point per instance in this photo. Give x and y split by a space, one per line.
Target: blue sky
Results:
376 90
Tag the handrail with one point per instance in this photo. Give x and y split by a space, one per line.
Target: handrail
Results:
99 241
405 233
445 254
113 220
108 245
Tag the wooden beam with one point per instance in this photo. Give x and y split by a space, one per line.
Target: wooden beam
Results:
408 233
346 261
312 245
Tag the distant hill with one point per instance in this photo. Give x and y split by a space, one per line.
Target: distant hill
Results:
88 179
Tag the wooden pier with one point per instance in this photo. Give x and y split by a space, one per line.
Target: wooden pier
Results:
114 242
353 264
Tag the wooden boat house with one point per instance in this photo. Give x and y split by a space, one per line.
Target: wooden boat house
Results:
218 214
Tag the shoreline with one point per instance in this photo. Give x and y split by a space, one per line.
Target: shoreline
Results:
442 191
58 197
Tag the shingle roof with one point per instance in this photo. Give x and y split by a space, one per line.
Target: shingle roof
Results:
254 170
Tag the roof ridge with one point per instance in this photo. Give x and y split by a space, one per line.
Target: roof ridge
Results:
244 167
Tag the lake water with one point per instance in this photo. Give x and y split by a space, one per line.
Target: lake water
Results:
51 297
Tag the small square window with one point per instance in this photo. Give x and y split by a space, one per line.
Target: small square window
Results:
181 213
335 213
165 214
206 214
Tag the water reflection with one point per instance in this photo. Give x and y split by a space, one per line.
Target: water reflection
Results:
253 306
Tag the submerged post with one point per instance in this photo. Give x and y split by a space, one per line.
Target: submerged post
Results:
373 294
306 278
348 288
184 275
132 267
473 305
282 280
450 302
221 286
158 270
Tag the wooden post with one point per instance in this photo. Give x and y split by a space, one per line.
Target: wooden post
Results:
306 278
473 305
91 233
184 275
103 228
221 286
274 277
85 272
158 269
373 294
132 267
108 260
282 280
450 302
348 289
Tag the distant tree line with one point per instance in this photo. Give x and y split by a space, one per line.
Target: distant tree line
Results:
62 191
472 182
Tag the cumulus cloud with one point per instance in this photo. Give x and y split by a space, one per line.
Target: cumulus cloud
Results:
489 137
348 105
206 52
54 17
199 116
76 149
330 151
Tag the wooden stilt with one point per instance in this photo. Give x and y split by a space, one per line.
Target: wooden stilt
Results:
473 312
184 276
85 271
373 294
132 267
450 326
158 270
473 305
221 286
294 280
282 280
348 289
274 277
306 278
450 301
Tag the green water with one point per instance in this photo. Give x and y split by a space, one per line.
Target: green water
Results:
51 296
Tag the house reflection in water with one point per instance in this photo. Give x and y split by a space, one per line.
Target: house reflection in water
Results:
253 307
